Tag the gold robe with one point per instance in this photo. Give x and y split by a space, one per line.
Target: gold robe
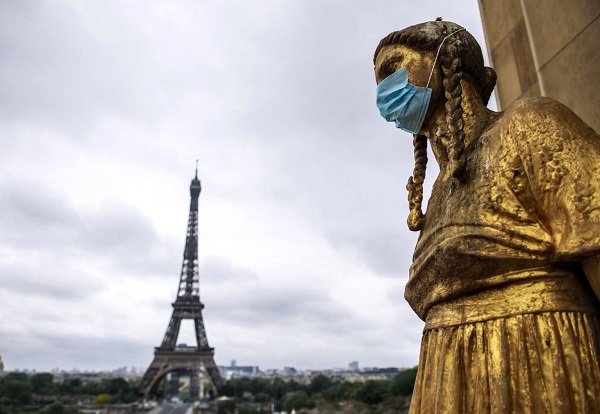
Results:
511 320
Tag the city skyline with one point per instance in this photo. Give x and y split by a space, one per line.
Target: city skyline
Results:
303 244
139 371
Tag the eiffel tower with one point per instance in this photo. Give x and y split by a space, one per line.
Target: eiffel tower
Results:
169 357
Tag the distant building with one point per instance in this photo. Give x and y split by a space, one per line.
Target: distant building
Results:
235 370
353 366
380 373
1 365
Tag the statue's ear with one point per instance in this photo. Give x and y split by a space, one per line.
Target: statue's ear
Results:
489 82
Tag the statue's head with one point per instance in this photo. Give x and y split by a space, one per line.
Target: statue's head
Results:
416 48
428 36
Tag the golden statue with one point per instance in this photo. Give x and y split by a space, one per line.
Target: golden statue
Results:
507 260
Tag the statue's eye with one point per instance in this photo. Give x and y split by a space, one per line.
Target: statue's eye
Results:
392 66
389 66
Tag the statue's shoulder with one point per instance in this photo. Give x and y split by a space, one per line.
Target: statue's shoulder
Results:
536 107
541 118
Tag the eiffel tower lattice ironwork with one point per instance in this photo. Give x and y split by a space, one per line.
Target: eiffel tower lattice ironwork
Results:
169 357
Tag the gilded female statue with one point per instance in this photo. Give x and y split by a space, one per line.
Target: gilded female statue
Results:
509 245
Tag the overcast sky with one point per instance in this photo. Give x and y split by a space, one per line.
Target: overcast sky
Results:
304 251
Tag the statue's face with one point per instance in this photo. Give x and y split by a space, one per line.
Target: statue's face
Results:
418 64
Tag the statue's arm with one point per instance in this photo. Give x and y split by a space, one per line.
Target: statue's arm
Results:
568 180
561 155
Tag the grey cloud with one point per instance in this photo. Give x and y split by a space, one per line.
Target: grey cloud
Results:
48 281
45 351
67 65
363 209
52 68
305 308
396 295
36 218
386 251
123 232
215 269
339 158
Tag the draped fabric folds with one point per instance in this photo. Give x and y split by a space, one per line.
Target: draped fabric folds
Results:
546 362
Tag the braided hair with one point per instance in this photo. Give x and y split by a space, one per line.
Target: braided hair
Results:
453 138
415 184
459 53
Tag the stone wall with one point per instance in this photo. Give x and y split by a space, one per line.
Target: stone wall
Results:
546 47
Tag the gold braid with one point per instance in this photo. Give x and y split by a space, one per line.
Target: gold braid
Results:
414 186
453 138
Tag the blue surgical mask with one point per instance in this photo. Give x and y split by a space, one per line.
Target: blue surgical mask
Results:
406 104
401 102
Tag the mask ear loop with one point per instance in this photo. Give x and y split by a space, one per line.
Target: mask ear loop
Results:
438 53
